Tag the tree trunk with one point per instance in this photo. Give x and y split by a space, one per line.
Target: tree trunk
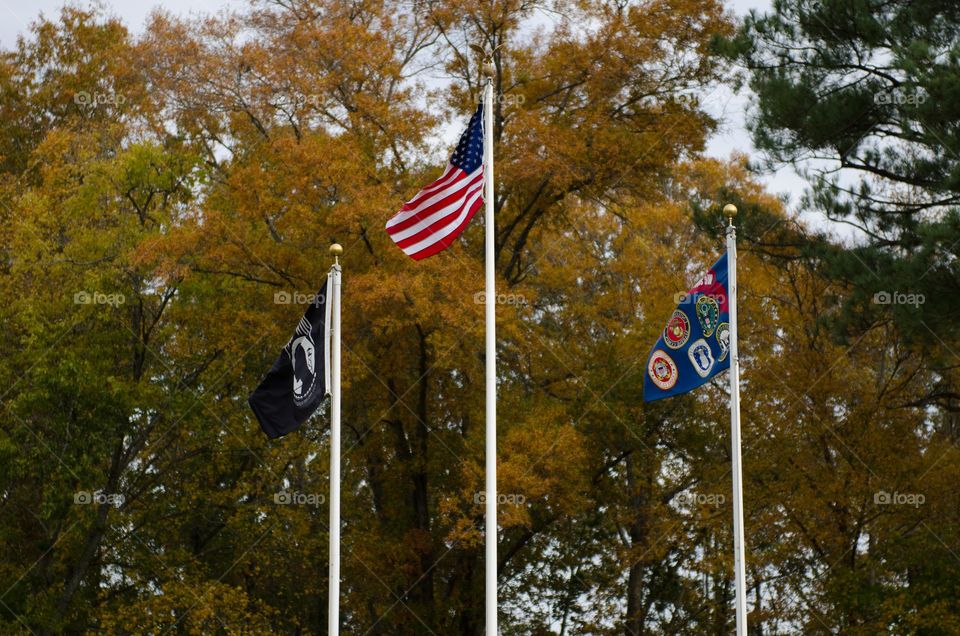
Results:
637 605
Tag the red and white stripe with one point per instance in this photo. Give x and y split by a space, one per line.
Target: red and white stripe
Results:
433 219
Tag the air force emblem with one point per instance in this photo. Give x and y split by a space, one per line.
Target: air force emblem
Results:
701 357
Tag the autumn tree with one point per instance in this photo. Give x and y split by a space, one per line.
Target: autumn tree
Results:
168 199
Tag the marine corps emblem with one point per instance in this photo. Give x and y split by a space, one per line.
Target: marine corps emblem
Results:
662 370
708 313
677 331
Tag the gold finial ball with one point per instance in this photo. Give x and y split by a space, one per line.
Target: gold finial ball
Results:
730 210
336 249
488 68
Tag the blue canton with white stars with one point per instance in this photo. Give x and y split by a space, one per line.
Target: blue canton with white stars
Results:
469 153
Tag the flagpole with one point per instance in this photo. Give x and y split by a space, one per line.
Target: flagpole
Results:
739 558
333 601
490 523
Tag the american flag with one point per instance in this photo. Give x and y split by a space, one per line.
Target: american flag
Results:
433 219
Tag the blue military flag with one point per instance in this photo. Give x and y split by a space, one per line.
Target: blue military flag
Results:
695 344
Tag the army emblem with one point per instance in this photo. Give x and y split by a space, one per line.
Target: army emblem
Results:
662 370
708 313
677 331
701 357
723 339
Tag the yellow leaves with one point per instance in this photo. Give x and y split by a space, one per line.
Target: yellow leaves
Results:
541 464
195 607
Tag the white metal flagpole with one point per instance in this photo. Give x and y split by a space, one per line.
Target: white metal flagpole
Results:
739 558
490 523
333 600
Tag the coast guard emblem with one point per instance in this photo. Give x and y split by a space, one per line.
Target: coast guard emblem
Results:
662 370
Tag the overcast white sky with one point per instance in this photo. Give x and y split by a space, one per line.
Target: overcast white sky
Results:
15 17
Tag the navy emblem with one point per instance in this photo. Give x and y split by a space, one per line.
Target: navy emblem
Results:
677 331
708 313
662 370
723 339
701 357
